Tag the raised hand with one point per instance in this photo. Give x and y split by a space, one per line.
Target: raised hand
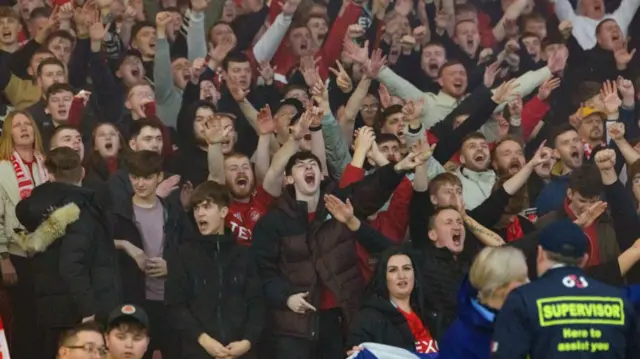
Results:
267 72
320 93
129 15
443 20
358 54
199 5
375 64
342 78
163 19
587 218
309 69
266 123
355 31
364 140
558 60
541 156
410 162
485 55
385 96
83 95
197 67
167 186
610 98
301 128
623 56
544 91
66 12
565 28
490 74
616 131
341 211
422 35
423 148
625 87
221 50
213 131
236 91
98 31
605 159
505 91
290 6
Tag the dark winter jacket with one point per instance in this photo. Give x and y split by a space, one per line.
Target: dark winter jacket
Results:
380 322
296 256
176 226
190 162
74 261
213 288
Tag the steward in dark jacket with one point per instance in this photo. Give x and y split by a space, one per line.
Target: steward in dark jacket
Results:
74 262
303 251
213 288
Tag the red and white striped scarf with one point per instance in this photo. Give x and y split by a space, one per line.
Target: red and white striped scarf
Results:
26 184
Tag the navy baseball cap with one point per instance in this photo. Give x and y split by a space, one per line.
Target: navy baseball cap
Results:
565 238
128 312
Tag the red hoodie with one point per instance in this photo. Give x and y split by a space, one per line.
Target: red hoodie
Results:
392 223
285 60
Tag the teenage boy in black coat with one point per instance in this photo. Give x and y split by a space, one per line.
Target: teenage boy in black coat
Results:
213 291
147 231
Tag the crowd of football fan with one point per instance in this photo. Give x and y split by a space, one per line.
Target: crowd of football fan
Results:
288 180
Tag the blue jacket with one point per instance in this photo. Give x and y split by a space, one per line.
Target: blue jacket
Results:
469 337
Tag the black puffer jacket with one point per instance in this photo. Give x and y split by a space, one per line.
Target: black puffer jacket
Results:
380 322
213 288
74 262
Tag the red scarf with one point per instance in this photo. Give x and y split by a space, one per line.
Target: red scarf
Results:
23 174
514 230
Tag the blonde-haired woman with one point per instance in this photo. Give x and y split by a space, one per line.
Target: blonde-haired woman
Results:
21 170
495 272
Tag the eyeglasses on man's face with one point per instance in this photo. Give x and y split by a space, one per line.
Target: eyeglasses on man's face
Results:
90 348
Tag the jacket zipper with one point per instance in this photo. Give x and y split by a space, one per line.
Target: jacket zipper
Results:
220 285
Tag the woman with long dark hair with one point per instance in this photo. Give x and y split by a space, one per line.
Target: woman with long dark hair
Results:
392 313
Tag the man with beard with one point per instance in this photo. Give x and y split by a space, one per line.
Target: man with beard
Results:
250 200
474 173
507 160
591 129
432 58
569 151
